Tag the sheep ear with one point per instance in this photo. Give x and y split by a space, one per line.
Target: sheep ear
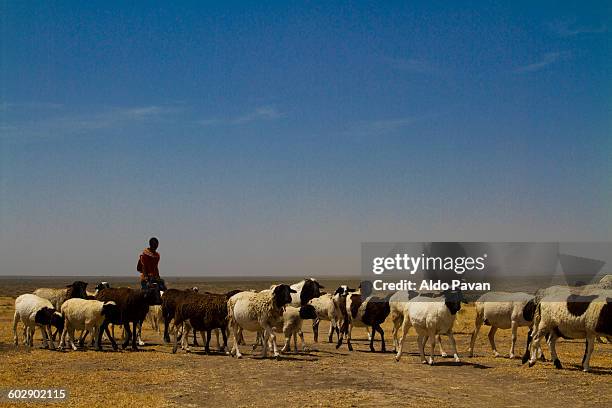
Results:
292 290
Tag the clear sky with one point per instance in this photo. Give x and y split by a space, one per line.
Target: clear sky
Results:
275 138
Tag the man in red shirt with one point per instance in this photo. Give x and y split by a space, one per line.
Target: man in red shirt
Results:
147 266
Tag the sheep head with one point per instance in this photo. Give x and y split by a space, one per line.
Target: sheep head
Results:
282 295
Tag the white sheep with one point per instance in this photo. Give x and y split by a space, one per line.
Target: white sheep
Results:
34 311
327 307
86 314
502 310
431 316
398 305
258 311
567 314
291 326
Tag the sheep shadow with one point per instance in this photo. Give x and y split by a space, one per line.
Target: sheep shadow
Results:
297 357
460 364
212 353
375 351
592 370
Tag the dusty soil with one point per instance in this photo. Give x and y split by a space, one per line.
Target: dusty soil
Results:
154 377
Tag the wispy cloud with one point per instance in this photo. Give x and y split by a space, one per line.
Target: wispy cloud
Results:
9 106
416 65
148 111
261 113
71 123
546 60
378 127
567 29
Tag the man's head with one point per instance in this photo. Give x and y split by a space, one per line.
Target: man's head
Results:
153 243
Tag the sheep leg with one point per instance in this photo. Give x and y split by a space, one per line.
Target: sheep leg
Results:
340 336
272 337
332 329
128 334
432 344
264 341
421 344
590 344
287 345
240 336
451 337
176 339
224 336
166 325
71 338
512 346
535 345
195 339
15 322
552 344
111 336
477 326
139 326
234 331
31 331
47 334
303 343
380 330
207 345
101 330
62 343
400 344
349 336
217 338
82 337
492 340
439 341
43 329
258 339
527 347
315 331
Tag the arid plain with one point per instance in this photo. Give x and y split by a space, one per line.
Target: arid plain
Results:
323 376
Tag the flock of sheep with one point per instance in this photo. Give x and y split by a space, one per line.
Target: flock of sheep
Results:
583 312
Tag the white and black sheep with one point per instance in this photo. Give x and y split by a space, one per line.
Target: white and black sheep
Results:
89 315
502 310
431 316
570 315
34 311
305 290
364 310
57 296
258 311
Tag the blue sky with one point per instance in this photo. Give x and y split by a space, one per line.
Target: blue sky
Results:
275 138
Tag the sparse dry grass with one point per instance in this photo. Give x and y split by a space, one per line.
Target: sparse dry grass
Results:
325 377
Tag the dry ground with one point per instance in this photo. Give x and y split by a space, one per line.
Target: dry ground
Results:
323 377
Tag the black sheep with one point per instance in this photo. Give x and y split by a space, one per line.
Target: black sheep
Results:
203 312
133 305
